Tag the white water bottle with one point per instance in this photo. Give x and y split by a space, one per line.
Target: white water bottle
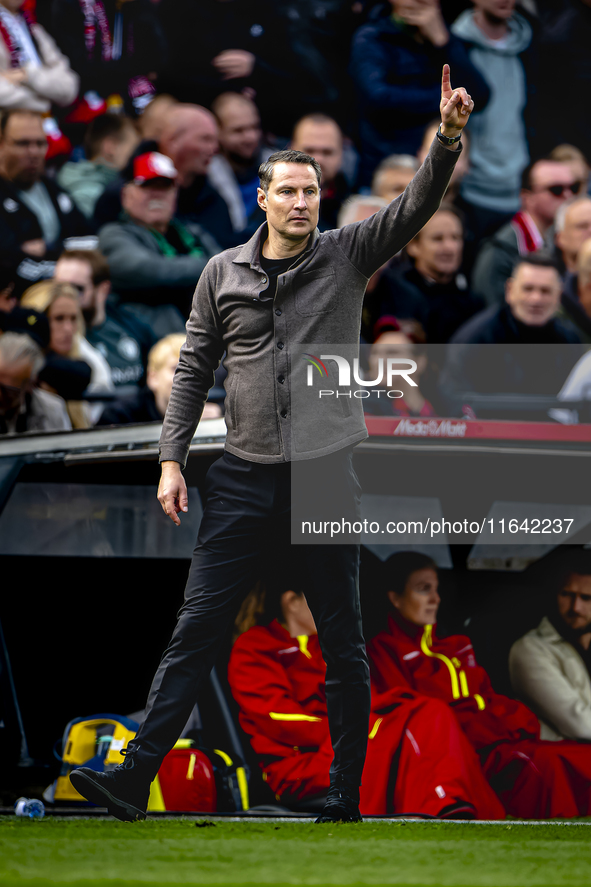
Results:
30 808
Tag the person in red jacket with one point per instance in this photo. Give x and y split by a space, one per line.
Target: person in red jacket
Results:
276 673
532 778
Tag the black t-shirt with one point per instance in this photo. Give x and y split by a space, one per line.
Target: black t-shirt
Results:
273 268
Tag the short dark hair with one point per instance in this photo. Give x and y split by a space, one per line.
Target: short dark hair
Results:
401 565
568 563
267 168
99 267
6 115
103 127
540 259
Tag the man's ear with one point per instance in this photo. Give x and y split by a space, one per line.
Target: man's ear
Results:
508 290
103 290
262 199
412 248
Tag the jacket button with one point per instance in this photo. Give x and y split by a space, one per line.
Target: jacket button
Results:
280 345
278 312
281 379
284 414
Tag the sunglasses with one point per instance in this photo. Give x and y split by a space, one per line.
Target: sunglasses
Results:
558 190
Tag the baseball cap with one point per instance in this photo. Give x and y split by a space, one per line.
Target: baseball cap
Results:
153 165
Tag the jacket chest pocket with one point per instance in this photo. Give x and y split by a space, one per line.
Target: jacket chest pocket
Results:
316 292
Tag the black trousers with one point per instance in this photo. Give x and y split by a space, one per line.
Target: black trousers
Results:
247 521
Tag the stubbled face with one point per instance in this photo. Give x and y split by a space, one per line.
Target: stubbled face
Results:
79 275
23 150
293 201
420 602
152 204
240 130
63 325
438 249
15 381
323 142
574 602
392 182
533 294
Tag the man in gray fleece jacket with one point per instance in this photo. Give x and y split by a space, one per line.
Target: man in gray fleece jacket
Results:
288 286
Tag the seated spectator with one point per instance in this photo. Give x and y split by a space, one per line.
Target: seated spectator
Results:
36 216
529 317
108 144
321 137
392 176
152 122
532 778
33 72
149 404
497 40
155 260
234 172
549 665
122 338
433 290
23 406
572 227
117 48
277 676
190 140
396 62
74 364
546 185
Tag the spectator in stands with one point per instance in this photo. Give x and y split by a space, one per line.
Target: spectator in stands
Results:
234 171
153 120
122 338
108 144
497 38
546 185
73 365
23 406
576 161
572 226
549 665
33 72
117 48
529 317
576 294
148 404
433 290
395 396
393 174
36 216
321 137
396 60
155 260
277 676
532 778
190 139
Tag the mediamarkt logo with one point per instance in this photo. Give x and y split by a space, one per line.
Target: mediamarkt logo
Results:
430 428
394 366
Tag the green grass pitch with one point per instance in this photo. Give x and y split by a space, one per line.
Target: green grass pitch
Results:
89 853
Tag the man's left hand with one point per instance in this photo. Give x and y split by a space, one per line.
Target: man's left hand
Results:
455 106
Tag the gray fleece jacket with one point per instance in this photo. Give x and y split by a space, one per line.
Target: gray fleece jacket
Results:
498 145
273 414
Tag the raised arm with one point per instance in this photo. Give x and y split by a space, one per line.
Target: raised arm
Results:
372 242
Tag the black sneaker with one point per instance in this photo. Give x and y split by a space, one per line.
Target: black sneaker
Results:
342 804
123 791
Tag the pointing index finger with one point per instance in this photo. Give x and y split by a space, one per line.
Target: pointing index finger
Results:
446 90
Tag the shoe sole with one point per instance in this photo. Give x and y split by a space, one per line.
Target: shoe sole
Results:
92 791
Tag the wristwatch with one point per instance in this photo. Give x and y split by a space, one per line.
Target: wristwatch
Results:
446 140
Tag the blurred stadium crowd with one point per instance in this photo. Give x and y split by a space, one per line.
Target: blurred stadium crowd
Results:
131 135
